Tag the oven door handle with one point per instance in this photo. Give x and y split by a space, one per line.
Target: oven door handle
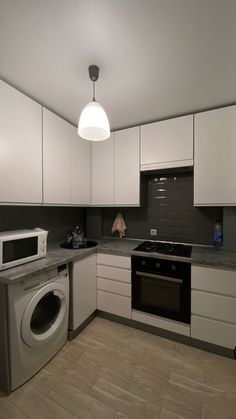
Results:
163 278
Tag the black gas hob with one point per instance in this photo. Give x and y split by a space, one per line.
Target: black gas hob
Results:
165 248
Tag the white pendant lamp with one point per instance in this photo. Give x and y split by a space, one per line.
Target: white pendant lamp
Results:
93 122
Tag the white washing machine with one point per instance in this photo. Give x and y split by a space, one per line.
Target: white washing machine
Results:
37 322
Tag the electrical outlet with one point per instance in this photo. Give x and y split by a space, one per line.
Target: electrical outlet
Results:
153 232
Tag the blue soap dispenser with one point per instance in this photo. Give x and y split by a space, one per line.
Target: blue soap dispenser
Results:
218 238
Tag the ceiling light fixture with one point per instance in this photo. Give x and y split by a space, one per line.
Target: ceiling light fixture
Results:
93 122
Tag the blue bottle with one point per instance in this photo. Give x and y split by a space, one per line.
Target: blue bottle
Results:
218 239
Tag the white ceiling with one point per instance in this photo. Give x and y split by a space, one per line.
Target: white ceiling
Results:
157 58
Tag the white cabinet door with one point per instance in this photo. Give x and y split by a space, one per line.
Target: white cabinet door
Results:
114 284
57 135
220 281
115 169
167 144
114 303
126 167
116 274
80 170
214 157
213 331
20 147
213 308
83 279
103 172
114 260
153 320
114 287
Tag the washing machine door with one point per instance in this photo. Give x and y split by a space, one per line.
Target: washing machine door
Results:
44 315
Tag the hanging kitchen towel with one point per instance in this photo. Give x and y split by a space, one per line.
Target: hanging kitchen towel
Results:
119 225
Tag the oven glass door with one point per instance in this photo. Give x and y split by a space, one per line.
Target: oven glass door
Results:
19 249
161 295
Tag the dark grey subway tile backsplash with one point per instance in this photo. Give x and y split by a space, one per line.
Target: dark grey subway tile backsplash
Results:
169 209
57 220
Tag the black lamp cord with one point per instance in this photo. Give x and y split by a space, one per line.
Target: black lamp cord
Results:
93 91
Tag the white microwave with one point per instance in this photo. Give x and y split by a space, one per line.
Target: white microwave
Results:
22 246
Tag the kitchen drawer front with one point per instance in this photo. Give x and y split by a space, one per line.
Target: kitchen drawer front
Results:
214 306
116 274
113 260
213 331
161 322
115 304
115 287
214 280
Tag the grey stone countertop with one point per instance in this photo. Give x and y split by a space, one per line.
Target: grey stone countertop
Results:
55 256
201 255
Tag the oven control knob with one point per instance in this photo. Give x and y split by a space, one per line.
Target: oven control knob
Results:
173 267
143 263
158 265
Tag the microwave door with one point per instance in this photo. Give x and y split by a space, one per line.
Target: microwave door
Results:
19 249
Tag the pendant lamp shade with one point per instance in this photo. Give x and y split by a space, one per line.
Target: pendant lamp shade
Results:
93 123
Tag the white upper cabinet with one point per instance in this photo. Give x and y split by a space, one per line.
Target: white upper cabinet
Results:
214 157
115 169
103 172
66 163
56 159
126 167
20 147
80 170
167 144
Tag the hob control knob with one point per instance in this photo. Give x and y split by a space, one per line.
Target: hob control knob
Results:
173 267
158 265
143 263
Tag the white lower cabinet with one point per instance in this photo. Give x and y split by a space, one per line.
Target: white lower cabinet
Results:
114 304
116 274
114 261
161 322
116 287
83 290
213 331
114 284
213 306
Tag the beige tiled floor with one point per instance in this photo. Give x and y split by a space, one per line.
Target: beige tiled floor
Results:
113 371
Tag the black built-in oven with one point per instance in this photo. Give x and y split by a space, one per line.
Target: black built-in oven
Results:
162 287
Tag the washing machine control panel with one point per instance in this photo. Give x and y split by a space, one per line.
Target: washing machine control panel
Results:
40 279
62 268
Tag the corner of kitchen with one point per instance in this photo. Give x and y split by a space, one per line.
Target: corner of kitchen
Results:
117 229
